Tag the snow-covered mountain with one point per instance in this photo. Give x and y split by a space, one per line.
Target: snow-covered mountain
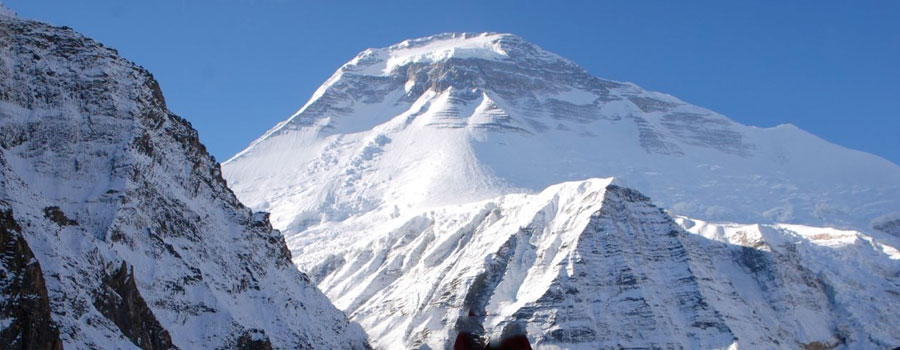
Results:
589 265
426 187
459 117
117 230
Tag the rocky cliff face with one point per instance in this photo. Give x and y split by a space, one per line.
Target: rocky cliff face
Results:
118 229
25 306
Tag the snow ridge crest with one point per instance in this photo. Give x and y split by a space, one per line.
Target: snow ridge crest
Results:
446 46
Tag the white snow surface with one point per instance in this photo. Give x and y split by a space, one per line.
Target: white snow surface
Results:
454 118
87 132
437 186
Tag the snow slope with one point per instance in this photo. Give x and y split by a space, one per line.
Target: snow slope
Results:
426 188
459 117
117 223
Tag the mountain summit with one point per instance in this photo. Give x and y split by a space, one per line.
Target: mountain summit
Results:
458 117
444 47
460 189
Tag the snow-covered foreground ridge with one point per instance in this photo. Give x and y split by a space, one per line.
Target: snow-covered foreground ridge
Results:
424 188
590 265
116 228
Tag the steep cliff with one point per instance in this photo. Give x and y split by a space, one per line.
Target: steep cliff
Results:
118 229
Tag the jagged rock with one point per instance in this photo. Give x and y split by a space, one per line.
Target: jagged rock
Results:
120 301
24 306
56 215
254 340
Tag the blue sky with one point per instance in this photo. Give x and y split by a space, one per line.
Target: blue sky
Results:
235 68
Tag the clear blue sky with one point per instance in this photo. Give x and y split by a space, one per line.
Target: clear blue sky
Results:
235 68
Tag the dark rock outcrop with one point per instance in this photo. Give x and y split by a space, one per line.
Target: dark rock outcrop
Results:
121 302
56 215
254 339
23 292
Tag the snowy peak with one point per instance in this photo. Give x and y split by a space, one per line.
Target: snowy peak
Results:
460 117
445 47
471 64
422 197
435 190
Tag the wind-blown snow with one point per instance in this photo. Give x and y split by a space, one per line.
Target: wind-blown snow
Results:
483 46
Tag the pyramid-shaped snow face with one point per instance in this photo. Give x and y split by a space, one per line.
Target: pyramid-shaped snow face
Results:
117 230
589 265
459 117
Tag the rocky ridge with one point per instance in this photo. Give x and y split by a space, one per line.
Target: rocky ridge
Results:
118 230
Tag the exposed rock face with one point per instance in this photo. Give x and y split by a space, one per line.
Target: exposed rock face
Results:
57 216
254 339
120 301
139 239
24 306
628 268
